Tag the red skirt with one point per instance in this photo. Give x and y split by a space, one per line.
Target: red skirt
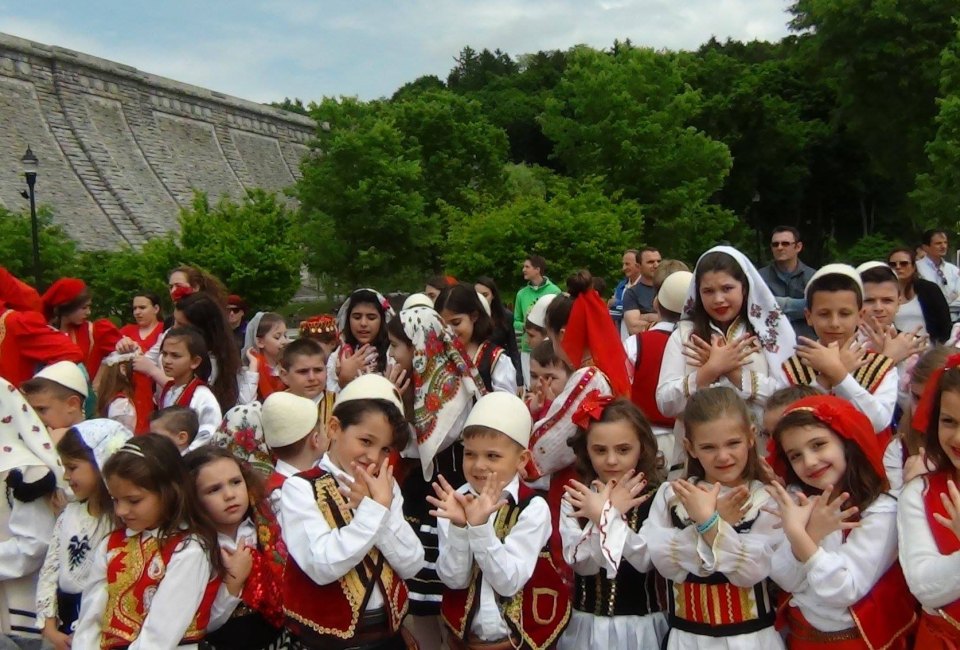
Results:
936 633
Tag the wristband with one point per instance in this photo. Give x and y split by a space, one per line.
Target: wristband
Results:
709 523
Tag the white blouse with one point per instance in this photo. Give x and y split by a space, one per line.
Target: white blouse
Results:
122 410
225 602
931 575
841 573
76 536
909 316
207 408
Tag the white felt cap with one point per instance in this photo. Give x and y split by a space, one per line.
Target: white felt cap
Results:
673 292
538 313
503 412
287 418
370 387
417 300
834 269
66 374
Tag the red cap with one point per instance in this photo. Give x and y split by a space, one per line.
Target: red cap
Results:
62 292
233 300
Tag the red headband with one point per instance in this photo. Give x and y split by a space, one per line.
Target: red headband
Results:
590 328
844 420
921 416
590 409
180 291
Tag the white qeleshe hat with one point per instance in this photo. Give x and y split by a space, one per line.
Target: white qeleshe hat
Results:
287 418
370 387
417 300
538 313
66 374
834 269
673 291
505 413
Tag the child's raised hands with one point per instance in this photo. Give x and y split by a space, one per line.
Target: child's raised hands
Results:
380 486
699 501
829 515
625 494
587 503
730 505
479 508
951 502
238 565
446 504
794 512
354 492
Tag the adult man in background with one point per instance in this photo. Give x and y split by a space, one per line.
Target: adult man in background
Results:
538 285
631 275
638 311
935 268
787 277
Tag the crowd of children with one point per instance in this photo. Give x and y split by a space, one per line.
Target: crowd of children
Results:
401 476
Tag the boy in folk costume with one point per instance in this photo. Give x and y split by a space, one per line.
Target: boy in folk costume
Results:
293 436
502 589
837 363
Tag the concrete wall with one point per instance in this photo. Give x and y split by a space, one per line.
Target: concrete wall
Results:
122 150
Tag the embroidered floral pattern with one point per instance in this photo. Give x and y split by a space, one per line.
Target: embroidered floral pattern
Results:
241 433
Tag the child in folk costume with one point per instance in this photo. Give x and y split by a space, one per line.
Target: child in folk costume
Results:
618 597
836 362
929 514
186 363
145 332
322 329
839 565
709 535
349 547
733 333
263 345
548 377
502 589
153 582
293 436
80 528
116 391
444 388
30 472
362 321
464 312
248 613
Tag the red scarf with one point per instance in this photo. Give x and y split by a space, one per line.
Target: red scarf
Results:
267 384
590 329
186 396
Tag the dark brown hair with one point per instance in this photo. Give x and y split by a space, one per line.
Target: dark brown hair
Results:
784 397
949 381
302 347
179 418
622 410
210 319
196 347
55 388
464 299
546 355
558 312
68 308
380 341
717 262
860 479
153 463
709 404
199 458
352 412
72 447
832 283
267 323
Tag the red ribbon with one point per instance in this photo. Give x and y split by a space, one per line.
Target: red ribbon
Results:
179 292
921 416
591 409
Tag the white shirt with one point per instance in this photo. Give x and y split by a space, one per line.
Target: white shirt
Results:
505 566
593 548
840 574
878 406
285 469
893 463
910 316
327 554
171 610
207 408
225 602
931 576
248 383
122 410
73 545
950 282
503 376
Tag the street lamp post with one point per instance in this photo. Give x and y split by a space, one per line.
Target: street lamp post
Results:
30 164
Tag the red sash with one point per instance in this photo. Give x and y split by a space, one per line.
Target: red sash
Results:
263 590
267 384
947 542
186 396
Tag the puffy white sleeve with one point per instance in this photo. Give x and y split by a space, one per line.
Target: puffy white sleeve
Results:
503 375
454 559
93 603
893 463
247 384
123 411
398 542
877 406
508 565
209 414
581 546
50 577
744 557
673 550
677 381
30 525
931 575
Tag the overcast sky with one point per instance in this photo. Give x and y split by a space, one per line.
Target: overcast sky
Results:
265 50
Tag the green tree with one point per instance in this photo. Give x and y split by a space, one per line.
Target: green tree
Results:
58 253
626 117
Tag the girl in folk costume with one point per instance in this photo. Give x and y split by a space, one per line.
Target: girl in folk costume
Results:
80 528
116 392
66 305
30 473
839 565
241 433
502 318
709 535
145 332
444 388
186 362
262 346
248 613
733 333
362 321
929 514
463 311
618 597
349 547
153 582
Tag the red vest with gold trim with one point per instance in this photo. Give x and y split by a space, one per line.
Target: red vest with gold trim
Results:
317 612
646 376
947 542
537 615
135 568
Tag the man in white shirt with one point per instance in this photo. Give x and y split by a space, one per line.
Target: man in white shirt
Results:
935 268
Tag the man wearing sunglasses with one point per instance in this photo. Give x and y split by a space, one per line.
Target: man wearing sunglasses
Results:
787 277
237 317
935 268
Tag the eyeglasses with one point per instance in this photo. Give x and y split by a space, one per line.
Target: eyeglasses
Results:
234 310
898 265
781 244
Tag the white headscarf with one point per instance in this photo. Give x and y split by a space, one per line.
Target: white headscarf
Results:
24 440
775 334
250 335
104 437
342 315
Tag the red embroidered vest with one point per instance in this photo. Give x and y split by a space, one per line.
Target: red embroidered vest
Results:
537 614
186 396
135 568
947 542
317 612
646 376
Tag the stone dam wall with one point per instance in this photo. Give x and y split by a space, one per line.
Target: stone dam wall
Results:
121 150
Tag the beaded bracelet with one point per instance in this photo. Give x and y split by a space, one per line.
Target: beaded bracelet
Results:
709 523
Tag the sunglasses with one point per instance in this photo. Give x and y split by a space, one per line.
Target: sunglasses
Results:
234 310
898 265
781 244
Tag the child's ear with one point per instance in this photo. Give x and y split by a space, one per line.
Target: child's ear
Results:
333 428
75 401
195 362
807 314
688 447
752 439
524 459
183 439
285 376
